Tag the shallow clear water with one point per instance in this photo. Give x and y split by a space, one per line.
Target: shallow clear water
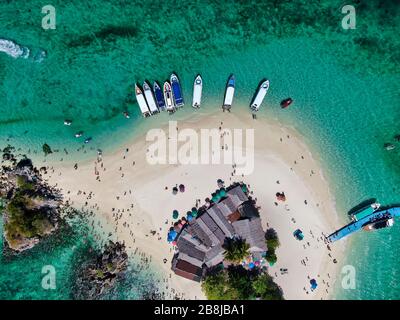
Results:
345 84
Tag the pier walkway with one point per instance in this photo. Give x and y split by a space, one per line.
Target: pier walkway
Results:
357 225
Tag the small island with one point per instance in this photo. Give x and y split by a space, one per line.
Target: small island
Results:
101 274
223 245
31 208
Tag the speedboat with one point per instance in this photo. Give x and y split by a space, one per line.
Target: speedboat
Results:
286 103
87 140
142 102
126 114
67 122
381 223
158 93
78 134
151 102
364 211
177 91
197 90
229 92
258 99
169 100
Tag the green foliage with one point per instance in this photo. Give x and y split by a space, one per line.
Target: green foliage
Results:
271 239
271 257
99 273
24 185
214 286
23 222
237 283
265 288
236 250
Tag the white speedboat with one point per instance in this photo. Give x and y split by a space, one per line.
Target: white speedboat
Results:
169 100
141 102
197 90
229 92
258 99
151 102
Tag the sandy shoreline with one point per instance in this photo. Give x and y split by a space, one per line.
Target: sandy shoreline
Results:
122 196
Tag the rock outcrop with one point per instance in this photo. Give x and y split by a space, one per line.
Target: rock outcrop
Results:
31 208
99 276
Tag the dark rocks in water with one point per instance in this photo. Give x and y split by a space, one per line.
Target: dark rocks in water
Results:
389 146
25 163
101 275
46 149
7 156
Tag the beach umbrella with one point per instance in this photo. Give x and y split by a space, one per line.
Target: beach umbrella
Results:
175 214
314 284
251 265
220 183
189 218
174 190
244 188
194 212
222 193
181 188
172 235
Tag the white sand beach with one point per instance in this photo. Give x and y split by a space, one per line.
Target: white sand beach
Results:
130 200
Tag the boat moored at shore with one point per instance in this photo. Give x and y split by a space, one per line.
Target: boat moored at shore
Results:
258 99
177 91
229 92
381 223
169 100
364 211
367 220
144 109
151 102
197 91
159 95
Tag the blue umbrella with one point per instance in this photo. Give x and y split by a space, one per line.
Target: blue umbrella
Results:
314 284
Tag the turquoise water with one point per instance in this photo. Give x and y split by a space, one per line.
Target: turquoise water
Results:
345 84
21 276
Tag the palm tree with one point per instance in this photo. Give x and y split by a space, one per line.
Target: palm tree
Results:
236 249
